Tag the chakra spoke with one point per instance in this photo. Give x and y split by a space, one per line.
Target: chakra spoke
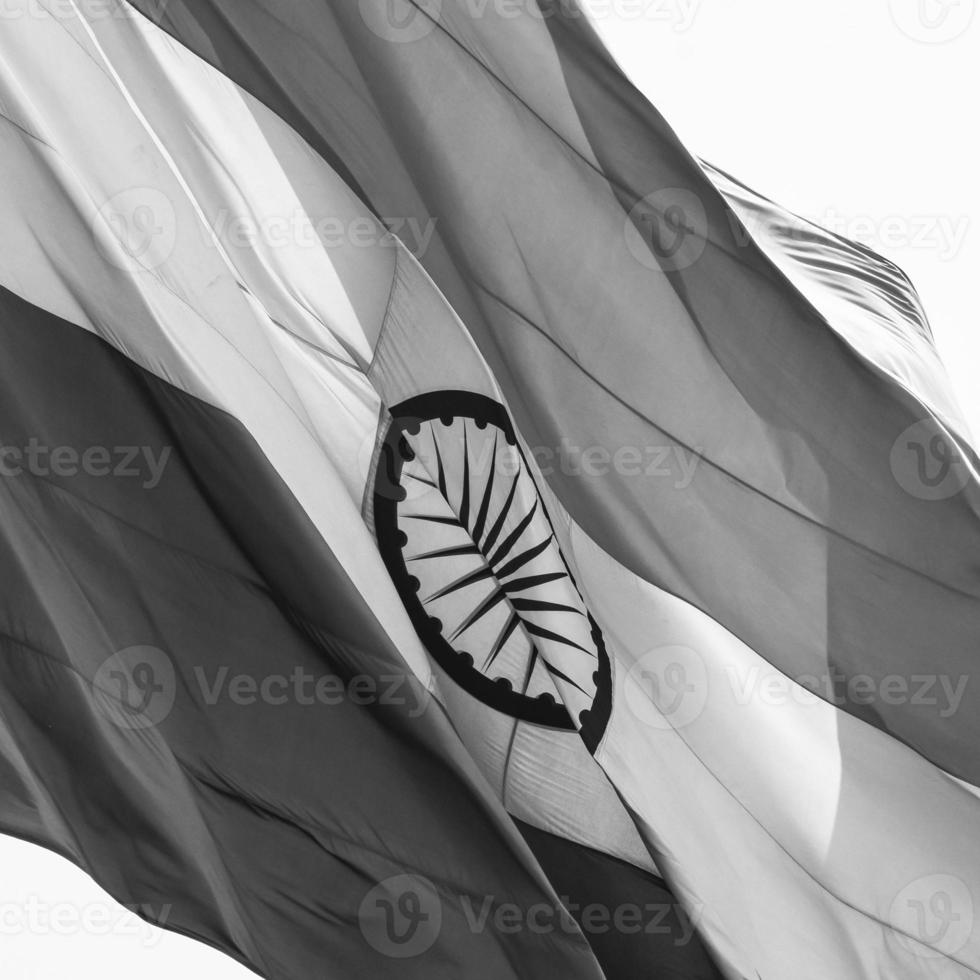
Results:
463 549
505 635
541 605
421 479
544 634
494 599
520 584
521 560
478 576
531 664
454 520
481 517
512 538
442 469
498 525
555 672
464 504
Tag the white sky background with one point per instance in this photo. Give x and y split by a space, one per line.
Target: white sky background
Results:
859 114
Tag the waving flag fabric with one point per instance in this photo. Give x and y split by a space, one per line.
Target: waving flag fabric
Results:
650 498
865 298
261 349
185 561
513 135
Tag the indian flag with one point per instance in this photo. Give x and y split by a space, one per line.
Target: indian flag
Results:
449 530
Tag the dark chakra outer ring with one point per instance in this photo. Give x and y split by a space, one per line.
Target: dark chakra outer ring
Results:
406 418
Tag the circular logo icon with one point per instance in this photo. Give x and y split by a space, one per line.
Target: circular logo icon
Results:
667 231
401 917
400 21
136 229
933 916
933 21
667 688
136 688
927 463
468 542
